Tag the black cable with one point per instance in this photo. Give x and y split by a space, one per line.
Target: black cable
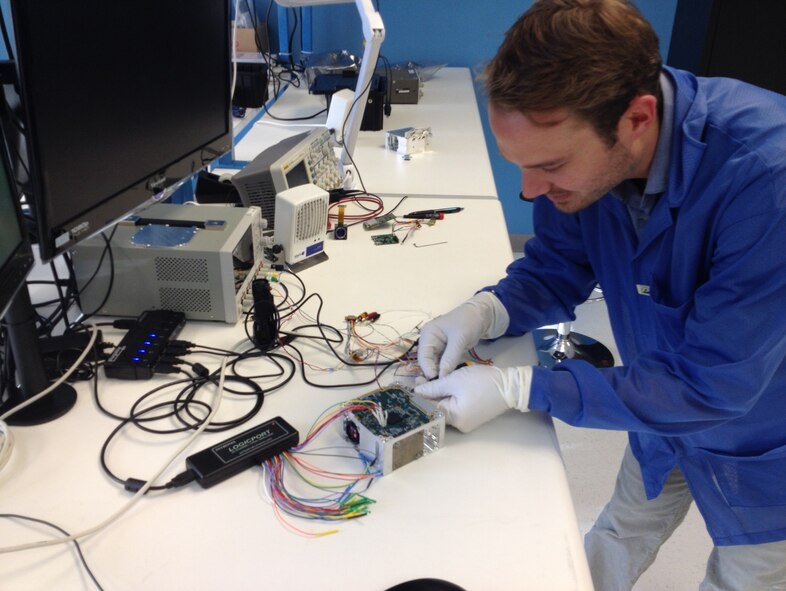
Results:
291 40
112 415
338 338
389 85
62 531
288 70
275 358
321 327
252 14
64 304
181 409
107 251
46 324
135 483
285 311
304 118
267 19
187 396
88 369
344 128
295 332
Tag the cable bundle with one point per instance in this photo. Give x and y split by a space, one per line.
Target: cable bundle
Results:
339 499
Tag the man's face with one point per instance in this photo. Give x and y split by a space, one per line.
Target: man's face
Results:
560 156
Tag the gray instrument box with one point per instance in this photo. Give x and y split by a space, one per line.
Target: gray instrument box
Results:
199 260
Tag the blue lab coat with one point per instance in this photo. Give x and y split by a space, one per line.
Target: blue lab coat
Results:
697 307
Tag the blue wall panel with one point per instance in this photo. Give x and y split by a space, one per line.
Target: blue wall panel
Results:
453 32
457 33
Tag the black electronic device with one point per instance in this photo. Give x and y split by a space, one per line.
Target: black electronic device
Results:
340 232
210 188
111 106
733 38
373 119
251 85
403 84
249 448
119 102
139 355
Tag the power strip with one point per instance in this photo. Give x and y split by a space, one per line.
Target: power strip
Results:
140 351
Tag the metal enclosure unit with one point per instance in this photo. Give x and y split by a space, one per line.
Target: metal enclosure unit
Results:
199 260
410 428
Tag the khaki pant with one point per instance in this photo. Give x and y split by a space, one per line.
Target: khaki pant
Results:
626 537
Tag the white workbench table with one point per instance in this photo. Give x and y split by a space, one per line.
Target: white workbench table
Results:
491 510
457 163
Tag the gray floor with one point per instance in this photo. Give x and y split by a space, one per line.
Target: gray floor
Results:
591 460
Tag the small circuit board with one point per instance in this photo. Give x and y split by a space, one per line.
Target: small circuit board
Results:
378 221
382 239
398 428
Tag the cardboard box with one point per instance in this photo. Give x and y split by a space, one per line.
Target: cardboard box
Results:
245 42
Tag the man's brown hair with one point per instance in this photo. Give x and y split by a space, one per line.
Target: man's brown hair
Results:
589 56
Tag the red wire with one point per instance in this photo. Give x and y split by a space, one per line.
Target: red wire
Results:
357 199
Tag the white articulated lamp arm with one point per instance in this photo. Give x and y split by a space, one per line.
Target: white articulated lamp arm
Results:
373 36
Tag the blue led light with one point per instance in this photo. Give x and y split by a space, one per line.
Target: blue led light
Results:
136 359
142 351
152 335
148 343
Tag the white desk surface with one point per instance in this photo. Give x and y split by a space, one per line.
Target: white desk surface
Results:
457 163
491 510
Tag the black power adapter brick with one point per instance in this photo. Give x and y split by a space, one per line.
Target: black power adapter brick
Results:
249 448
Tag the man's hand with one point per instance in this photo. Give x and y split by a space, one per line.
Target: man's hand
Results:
475 394
445 340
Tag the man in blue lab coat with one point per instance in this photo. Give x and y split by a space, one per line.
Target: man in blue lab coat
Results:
670 192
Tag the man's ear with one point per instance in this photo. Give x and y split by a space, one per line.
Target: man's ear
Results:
640 116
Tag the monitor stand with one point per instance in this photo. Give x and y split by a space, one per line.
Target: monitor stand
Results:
26 357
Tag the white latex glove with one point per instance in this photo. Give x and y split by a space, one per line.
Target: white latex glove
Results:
445 340
476 394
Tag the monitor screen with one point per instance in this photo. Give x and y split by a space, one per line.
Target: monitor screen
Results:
297 175
120 100
16 258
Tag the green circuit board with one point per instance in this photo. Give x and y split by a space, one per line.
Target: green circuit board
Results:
403 415
381 239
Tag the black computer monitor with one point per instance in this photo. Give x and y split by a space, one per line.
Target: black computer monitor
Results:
117 102
120 100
